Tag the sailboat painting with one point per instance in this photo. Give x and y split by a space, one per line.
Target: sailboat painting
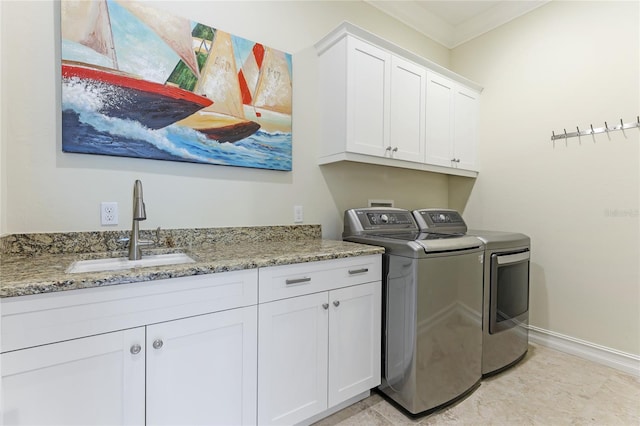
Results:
140 82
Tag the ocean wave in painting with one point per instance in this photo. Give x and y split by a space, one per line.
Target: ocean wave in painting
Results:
86 130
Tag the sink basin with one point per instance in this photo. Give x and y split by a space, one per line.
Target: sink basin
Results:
120 263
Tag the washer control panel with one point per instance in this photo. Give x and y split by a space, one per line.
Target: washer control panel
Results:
359 221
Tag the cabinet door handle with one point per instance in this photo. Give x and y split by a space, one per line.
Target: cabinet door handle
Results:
395 149
358 271
336 303
157 344
325 306
298 280
388 148
135 349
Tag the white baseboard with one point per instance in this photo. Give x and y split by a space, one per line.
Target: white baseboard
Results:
619 360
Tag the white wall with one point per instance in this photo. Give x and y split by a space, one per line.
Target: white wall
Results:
564 65
51 191
3 180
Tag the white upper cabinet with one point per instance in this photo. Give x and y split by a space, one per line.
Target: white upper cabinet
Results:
440 120
407 110
381 104
368 97
452 114
465 129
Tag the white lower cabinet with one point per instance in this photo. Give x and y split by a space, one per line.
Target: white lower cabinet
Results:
320 349
97 380
199 371
191 360
292 359
354 341
204 350
202 370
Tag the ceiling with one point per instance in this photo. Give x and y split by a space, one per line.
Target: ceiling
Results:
453 22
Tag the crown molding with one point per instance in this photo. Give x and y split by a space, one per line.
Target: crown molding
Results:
436 28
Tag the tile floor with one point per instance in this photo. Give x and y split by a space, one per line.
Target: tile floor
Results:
546 388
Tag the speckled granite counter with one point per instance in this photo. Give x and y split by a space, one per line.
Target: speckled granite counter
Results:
36 263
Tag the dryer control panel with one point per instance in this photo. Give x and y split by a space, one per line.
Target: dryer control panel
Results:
440 220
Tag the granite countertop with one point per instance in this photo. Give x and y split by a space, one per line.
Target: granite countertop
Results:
36 263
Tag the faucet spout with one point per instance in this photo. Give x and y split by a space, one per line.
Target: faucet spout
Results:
139 214
139 210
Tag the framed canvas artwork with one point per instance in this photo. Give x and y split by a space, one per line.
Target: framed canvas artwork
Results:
140 82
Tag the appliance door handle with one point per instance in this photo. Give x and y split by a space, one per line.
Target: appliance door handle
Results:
512 258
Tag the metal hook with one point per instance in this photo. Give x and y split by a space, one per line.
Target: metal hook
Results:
553 135
565 134
638 118
578 129
591 128
606 127
621 124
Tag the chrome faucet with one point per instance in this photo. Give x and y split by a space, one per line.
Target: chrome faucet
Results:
139 214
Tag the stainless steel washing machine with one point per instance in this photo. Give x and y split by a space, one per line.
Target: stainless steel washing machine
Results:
432 309
505 315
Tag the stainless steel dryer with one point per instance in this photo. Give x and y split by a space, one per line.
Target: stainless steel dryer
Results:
432 308
505 333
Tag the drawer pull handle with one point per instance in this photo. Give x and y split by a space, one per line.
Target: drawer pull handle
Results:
298 280
358 271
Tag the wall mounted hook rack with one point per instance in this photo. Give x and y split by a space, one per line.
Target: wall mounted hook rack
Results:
592 131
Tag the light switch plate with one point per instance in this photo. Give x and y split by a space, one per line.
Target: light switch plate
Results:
298 215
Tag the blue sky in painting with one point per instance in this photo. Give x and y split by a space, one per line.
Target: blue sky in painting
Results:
140 50
242 48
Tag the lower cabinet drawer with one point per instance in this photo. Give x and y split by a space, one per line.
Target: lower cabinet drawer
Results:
46 318
280 282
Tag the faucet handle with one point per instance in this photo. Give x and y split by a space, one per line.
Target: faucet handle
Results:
146 242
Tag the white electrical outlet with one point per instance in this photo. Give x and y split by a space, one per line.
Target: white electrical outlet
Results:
298 216
108 213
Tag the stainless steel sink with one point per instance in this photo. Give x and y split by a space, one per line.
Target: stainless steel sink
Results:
121 263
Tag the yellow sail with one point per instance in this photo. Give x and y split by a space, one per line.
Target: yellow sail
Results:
87 23
174 30
274 85
219 78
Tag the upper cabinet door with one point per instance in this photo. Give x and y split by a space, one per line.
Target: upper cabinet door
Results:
466 128
202 370
407 110
439 120
368 82
97 380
